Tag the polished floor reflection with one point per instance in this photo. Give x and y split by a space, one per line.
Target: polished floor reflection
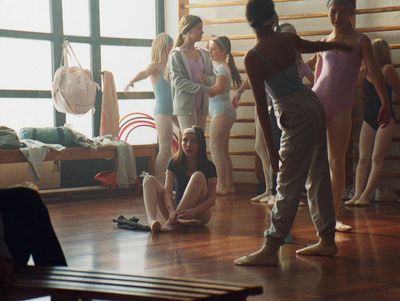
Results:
367 266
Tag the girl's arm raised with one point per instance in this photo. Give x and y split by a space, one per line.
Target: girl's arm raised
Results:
150 70
305 46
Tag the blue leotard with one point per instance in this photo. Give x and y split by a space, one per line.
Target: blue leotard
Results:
222 103
163 96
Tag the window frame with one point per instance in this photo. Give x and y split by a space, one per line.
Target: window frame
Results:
95 41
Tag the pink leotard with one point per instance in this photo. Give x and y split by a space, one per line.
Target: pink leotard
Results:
336 83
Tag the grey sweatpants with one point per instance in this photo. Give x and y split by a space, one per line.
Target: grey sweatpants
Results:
303 151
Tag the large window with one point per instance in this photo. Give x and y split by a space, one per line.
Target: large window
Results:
112 35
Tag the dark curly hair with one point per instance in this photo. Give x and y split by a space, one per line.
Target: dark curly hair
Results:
258 12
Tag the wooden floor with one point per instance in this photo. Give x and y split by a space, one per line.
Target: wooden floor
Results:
367 266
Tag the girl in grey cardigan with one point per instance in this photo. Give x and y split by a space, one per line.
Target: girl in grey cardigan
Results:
190 71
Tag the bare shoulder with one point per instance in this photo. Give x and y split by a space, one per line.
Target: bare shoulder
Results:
364 40
251 58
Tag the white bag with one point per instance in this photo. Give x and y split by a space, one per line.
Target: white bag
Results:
74 90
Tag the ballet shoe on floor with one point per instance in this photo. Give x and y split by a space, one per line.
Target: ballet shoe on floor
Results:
340 227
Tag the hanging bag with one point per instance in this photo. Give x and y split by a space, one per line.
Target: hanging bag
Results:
73 91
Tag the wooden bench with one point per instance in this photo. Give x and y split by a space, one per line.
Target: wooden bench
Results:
79 153
73 284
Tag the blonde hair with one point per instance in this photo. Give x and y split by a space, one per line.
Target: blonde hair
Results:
159 48
185 25
381 51
224 43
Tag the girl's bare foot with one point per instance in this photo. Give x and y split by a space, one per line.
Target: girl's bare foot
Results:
351 202
168 227
264 256
222 190
155 226
260 196
322 248
362 202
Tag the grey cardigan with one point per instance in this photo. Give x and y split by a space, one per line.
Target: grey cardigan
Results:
182 86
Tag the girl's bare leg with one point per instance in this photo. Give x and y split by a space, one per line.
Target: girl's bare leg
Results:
164 128
220 128
382 143
153 197
339 130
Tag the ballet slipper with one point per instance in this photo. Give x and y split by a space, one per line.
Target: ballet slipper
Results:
155 226
259 197
340 227
323 248
263 257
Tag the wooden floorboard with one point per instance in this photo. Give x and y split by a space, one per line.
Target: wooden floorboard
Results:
367 266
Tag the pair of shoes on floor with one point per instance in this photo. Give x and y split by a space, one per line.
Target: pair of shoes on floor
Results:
131 224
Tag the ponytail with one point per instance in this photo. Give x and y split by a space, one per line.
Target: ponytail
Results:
178 43
236 79
179 40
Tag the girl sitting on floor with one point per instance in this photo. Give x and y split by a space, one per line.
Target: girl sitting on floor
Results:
194 179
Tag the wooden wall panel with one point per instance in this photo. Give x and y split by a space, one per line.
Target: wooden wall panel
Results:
376 18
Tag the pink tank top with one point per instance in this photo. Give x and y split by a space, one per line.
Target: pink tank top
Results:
196 69
336 84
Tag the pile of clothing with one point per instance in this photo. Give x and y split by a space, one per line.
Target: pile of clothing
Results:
131 224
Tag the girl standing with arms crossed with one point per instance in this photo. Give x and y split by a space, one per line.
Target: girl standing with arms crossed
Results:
163 118
223 114
336 76
190 71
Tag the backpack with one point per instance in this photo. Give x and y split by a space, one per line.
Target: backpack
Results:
74 90
50 135
8 138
